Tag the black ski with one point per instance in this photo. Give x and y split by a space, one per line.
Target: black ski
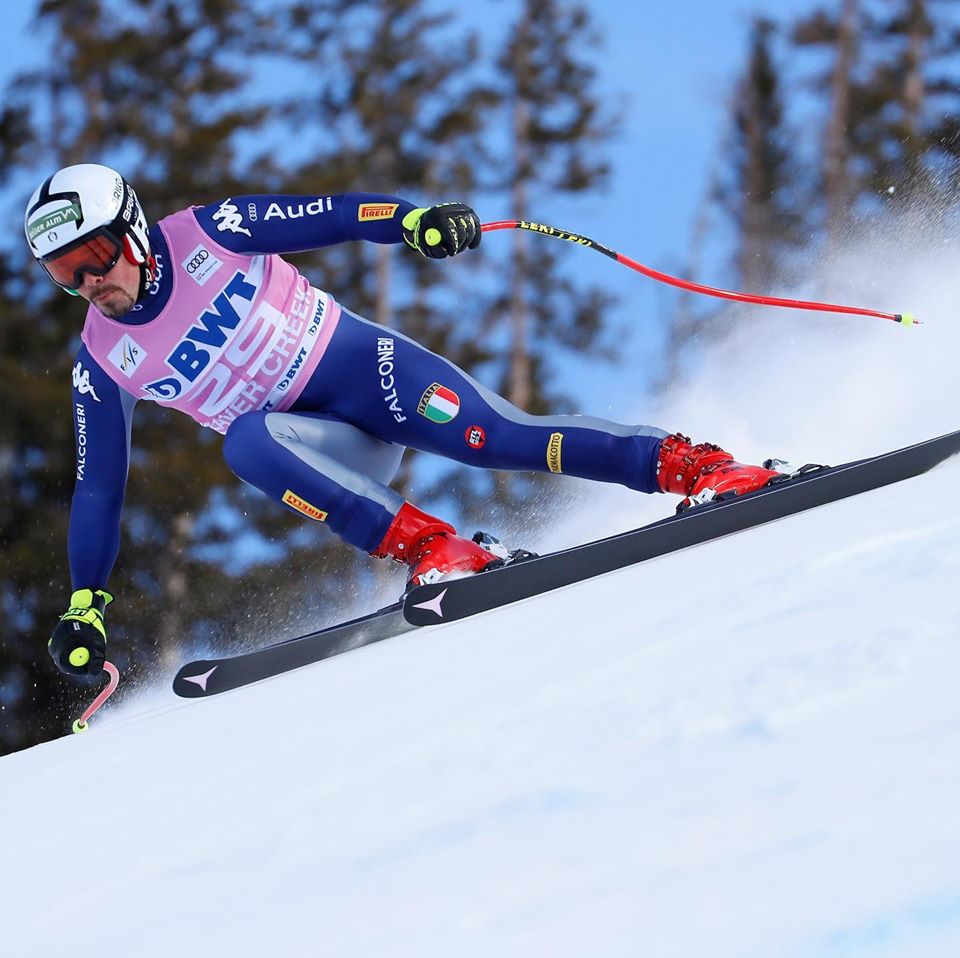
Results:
209 676
457 599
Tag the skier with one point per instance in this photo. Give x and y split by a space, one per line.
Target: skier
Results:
202 314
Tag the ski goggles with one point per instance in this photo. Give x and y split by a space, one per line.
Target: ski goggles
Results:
96 253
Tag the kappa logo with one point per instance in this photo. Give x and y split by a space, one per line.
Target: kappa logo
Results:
81 382
554 451
301 505
127 355
230 218
376 211
201 264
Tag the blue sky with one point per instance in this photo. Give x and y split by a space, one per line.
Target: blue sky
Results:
670 68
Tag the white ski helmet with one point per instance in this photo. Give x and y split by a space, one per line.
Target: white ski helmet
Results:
83 219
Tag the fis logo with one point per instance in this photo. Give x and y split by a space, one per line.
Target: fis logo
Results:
127 355
376 211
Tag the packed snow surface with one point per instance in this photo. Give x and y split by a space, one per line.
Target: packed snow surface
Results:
749 748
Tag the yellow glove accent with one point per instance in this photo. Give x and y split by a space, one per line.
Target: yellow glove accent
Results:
79 657
82 609
410 222
411 219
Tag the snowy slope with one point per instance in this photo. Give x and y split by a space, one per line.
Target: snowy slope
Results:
745 749
666 761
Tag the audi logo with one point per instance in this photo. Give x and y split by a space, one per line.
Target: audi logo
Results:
197 261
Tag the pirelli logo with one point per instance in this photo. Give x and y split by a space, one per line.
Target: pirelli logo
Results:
376 211
301 505
554 449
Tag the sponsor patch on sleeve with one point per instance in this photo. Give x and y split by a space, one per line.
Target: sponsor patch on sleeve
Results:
554 450
376 211
439 404
301 505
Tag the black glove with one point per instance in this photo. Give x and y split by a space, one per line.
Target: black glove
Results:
78 645
443 230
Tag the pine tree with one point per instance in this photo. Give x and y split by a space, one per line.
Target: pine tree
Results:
756 186
142 85
760 196
841 34
557 126
907 130
392 106
387 98
890 144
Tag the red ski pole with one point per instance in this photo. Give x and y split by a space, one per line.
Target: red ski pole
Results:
114 680
905 319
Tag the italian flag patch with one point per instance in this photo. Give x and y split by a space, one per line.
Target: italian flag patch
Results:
439 404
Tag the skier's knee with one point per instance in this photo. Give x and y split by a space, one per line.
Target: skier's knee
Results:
243 443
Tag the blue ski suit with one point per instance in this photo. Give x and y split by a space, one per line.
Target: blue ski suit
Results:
375 392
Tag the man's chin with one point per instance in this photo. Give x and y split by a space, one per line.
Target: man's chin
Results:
115 305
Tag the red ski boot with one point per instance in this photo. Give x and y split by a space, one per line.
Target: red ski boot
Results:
704 472
432 548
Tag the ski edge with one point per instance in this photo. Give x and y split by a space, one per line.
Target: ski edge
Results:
202 678
429 598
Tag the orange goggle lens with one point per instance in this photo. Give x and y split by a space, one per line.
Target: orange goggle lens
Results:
96 255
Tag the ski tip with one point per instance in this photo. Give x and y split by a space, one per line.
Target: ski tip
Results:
907 319
192 680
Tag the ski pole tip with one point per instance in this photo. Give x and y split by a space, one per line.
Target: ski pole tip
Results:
907 319
79 726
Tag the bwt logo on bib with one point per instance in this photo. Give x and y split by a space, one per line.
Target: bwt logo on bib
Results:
206 340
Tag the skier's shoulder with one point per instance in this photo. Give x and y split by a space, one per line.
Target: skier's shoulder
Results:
92 383
224 221
189 217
